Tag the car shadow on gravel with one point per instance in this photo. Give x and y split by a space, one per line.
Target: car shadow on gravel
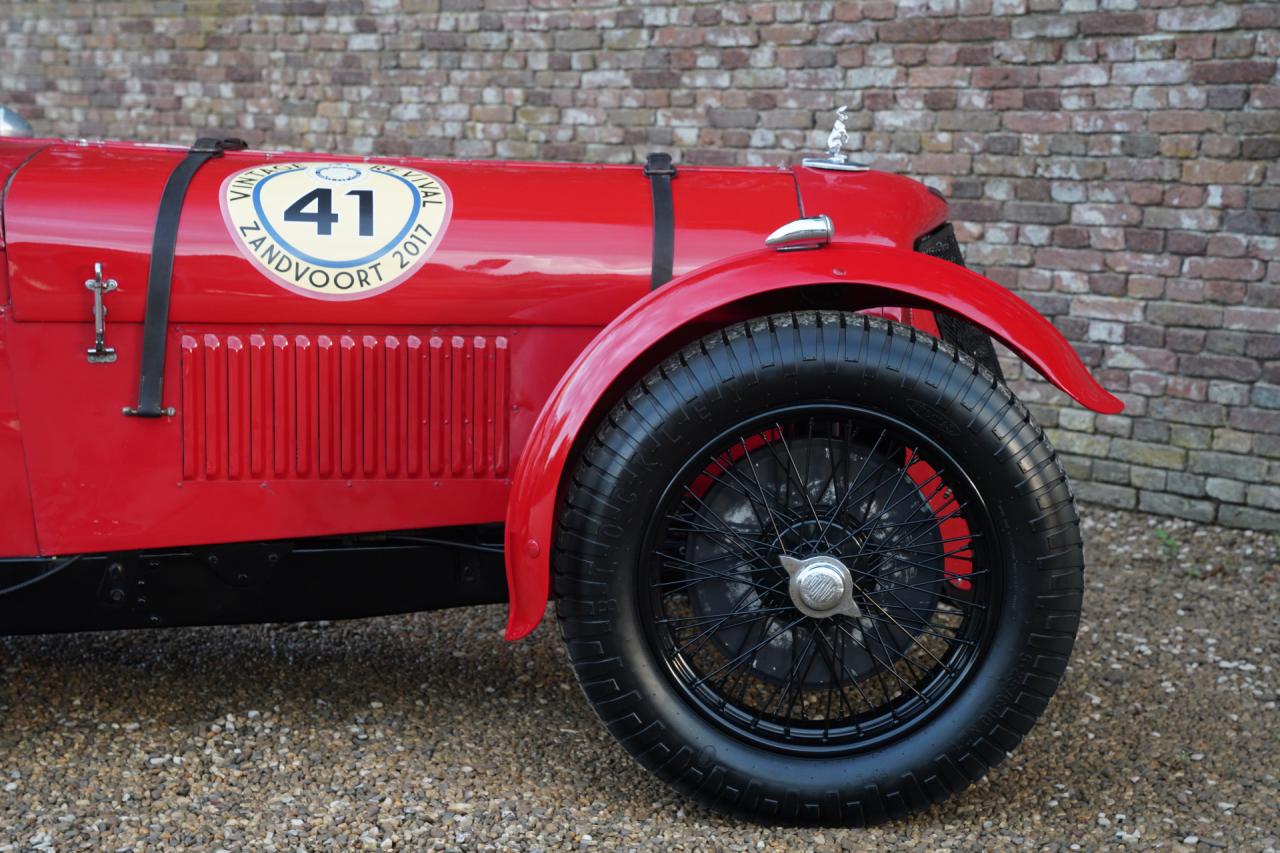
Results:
431 730
187 676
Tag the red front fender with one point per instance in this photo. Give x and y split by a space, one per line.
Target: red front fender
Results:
876 276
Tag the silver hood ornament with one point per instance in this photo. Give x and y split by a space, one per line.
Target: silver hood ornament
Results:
836 141
839 137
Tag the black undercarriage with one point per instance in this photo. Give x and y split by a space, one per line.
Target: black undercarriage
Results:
339 577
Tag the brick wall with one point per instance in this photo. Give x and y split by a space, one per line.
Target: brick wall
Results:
1112 160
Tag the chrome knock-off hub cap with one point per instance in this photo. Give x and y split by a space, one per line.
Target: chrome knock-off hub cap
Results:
820 586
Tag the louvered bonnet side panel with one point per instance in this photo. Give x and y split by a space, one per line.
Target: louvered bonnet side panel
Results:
344 406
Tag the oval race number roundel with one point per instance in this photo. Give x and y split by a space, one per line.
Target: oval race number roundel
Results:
335 230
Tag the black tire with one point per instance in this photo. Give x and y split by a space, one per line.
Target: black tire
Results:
630 491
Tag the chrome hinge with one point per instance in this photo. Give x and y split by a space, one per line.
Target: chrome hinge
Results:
101 353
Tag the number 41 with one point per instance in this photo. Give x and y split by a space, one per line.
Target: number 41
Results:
323 215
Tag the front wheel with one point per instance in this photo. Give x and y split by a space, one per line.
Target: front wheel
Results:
818 568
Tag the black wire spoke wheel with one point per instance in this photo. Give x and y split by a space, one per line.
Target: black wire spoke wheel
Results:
906 607
818 568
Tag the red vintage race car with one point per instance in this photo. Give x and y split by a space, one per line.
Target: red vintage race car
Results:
811 559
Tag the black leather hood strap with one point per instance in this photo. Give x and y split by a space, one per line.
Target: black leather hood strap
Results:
659 170
155 326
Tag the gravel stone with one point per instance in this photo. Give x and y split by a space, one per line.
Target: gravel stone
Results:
428 732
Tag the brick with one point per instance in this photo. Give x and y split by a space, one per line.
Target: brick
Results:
1216 17
1234 71
1262 346
1259 121
1037 212
1222 172
1177 218
1266 445
1226 97
1045 26
1107 308
1188 388
1181 314
1185 121
1148 478
1080 443
1145 287
1265 396
1069 259
1074 75
1115 425
1229 393
1223 489
1267 497
1148 454
1187 243
1246 369
1188 412
1164 73
1246 468
1106 471
1190 437
1077 419
1249 518
1106 214
1176 505
909 30
1241 269
1117 497
977 29
1138 239
1140 358
577 40
1117 23
1147 429
1226 292
1190 485
1253 222
733 118
1265 148
1232 441
1225 342
1105 332
1005 77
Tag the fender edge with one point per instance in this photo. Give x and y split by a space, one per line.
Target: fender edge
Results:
877 276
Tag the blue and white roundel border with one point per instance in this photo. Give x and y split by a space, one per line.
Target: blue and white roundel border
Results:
244 184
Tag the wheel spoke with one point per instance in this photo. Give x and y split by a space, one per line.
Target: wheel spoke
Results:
897 518
738 660
786 686
792 469
727 533
959 602
708 632
857 479
743 489
711 574
714 617
883 667
755 473
921 629
837 652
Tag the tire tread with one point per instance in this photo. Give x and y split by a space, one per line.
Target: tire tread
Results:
726 365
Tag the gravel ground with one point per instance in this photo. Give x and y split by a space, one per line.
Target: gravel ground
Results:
428 731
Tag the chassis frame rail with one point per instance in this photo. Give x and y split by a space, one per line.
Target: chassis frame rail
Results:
276 581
